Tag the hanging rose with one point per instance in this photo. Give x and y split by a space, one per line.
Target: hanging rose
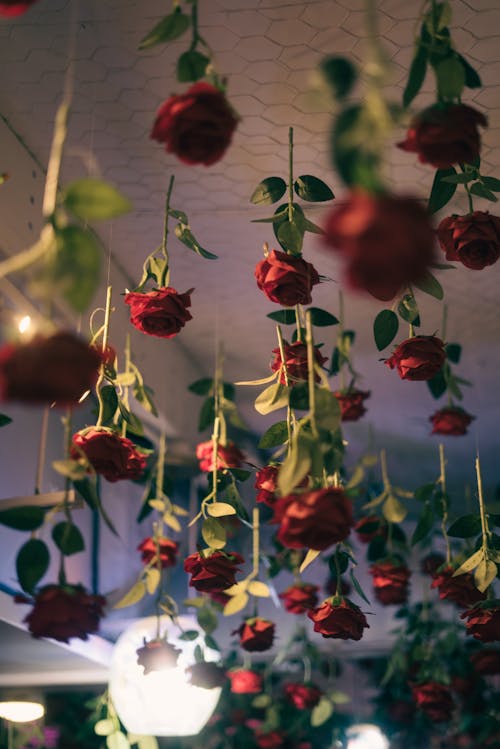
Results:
64 611
213 572
370 527
163 548
161 313
461 590
313 520
110 455
451 421
387 241
390 582
228 456
272 740
483 621
303 696
339 618
300 598
286 279
196 126
351 403
445 135
266 482
157 655
11 8
430 563
60 369
473 240
244 681
297 369
435 700
486 661
256 634
206 675
418 358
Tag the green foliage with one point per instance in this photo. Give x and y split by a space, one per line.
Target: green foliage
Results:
385 328
442 190
94 200
191 66
269 191
276 435
341 75
169 28
27 518
68 538
418 69
4 420
312 189
32 562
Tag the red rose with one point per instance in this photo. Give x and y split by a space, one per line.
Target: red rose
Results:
266 481
443 136
302 696
369 528
295 362
473 240
386 241
59 368
341 621
313 520
161 313
65 611
213 573
228 456
460 590
10 8
109 454
256 635
299 598
286 279
196 126
351 403
244 681
431 562
483 622
434 699
486 661
418 358
163 547
450 421
390 582
157 655
273 740
206 675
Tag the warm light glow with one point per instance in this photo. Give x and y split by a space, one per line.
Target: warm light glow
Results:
162 703
21 712
85 395
24 324
366 736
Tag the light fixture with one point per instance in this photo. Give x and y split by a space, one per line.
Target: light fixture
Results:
366 736
161 703
21 711
24 324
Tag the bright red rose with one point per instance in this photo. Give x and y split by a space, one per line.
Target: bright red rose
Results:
304 697
266 481
295 362
313 520
228 456
286 279
460 590
473 240
300 598
369 527
161 313
445 135
196 126
65 611
273 740
157 655
435 700
352 403
451 421
256 634
60 369
162 547
341 621
486 661
390 582
418 358
109 454
386 241
206 675
244 681
483 622
11 8
213 573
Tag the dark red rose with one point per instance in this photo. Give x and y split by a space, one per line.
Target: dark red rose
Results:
369 528
206 675
157 655
451 421
351 403
473 240
65 611
162 313
109 454
435 700
390 582
431 562
163 547
218 597
299 598
313 520
460 590
387 241
213 573
273 740
445 135
60 369
196 126
10 8
286 279
486 661
295 362
304 697
256 634
108 356
228 456
418 358
342 621
244 681
266 481
483 623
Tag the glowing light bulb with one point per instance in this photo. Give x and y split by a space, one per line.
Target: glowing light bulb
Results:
21 712
366 736
24 324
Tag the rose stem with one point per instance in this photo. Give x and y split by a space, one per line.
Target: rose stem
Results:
444 502
104 344
126 388
256 541
285 373
311 374
341 339
164 250
290 174
42 449
485 531
338 590
298 322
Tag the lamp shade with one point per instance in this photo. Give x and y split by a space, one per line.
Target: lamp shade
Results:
161 703
366 736
21 711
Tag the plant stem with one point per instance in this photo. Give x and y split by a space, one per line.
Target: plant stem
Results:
194 23
444 503
485 531
383 466
164 249
215 456
338 589
341 340
42 449
255 540
126 388
160 467
444 322
311 374
105 333
54 167
290 174
285 373
298 322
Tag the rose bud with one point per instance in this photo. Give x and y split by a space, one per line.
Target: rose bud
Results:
431 562
64 611
109 454
196 126
461 590
162 547
450 421
244 681
483 622
11 8
162 313
214 572
390 582
418 358
435 700
286 279
295 363
302 696
300 597
339 619
313 520
486 662
206 675
369 528
351 403
445 135
60 369
157 655
473 240
266 481
272 740
256 634
387 241
228 456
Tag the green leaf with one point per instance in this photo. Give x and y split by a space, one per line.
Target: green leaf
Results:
408 310
134 424
4 420
87 490
472 78
450 74
143 395
191 66
470 563
207 414
296 465
77 266
321 318
189 635
430 285
385 328
23 518
68 538
272 398
340 73
283 316
353 155
32 563
492 183
441 192
134 595
485 574
416 76
110 404
459 179
208 621
312 189
466 526
327 408
276 435
479 189
104 727
424 526
93 200
357 587
321 713
213 533
269 191
437 385
290 234
169 28
393 510
220 509
453 352
186 236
